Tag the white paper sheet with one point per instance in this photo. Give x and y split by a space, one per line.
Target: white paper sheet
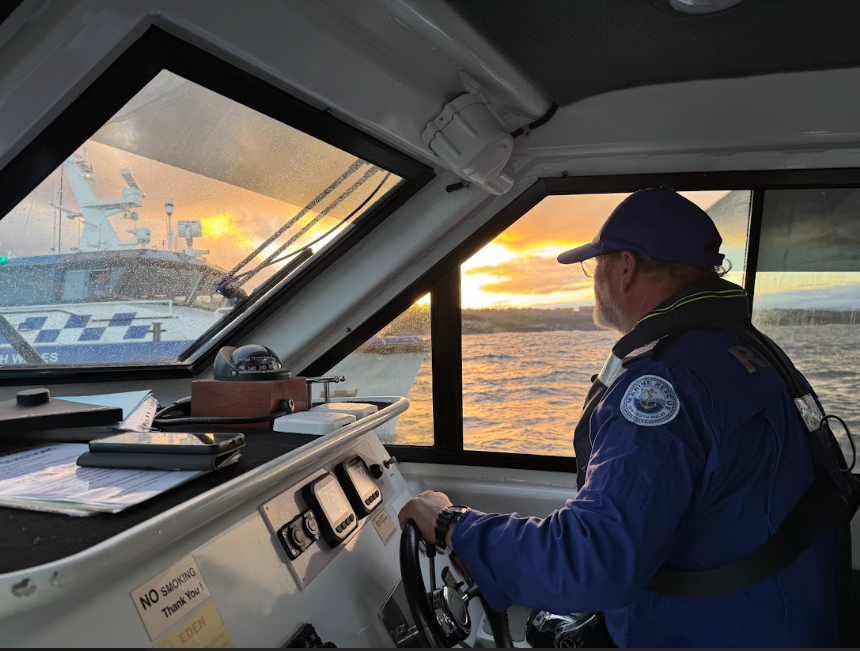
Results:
47 478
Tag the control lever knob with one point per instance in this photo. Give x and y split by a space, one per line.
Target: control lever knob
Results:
33 397
376 470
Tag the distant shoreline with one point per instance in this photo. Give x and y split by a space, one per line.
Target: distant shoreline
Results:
486 321
490 321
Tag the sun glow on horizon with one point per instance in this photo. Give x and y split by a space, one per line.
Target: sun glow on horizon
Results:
519 268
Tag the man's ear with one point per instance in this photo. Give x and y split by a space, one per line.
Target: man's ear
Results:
628 268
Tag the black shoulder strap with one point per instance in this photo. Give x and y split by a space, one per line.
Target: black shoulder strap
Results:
818 510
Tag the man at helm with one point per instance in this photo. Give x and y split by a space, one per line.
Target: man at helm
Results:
691 454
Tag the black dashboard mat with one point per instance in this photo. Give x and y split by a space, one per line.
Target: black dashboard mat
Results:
33 538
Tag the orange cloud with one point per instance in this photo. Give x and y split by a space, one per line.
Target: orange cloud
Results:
567 221
521 262
563 220
533 276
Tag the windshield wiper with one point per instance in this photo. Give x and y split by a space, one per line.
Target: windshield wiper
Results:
232 287
228 285
246 276
21 345
231 284
243 277
283 229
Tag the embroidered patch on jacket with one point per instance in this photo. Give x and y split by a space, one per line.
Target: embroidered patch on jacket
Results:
650 400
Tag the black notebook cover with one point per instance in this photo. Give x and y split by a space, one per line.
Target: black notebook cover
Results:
55 414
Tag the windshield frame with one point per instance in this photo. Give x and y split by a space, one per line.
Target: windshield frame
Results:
132 70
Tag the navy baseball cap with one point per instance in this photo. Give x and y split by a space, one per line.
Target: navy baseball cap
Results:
659 223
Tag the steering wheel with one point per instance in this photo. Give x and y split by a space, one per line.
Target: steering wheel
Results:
441 616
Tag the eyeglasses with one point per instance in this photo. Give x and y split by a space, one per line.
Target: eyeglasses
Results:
589 267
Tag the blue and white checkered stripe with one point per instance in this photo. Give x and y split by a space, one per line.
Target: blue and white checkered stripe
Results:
72 328
92 333
92 323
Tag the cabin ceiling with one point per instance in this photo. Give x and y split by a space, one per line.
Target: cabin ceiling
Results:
579 48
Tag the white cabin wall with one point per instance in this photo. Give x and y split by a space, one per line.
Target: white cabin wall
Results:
791 121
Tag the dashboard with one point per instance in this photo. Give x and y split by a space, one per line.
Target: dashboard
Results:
301 550
313 519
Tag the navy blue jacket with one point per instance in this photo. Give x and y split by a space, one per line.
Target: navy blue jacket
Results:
701 486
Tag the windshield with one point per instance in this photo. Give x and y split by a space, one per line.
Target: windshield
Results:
177 209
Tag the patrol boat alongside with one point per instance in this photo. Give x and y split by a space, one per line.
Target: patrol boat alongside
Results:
109 299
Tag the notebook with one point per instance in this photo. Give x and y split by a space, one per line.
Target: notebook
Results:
138 411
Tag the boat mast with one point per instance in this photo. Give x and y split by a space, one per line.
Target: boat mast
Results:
98 233
168 207
60 212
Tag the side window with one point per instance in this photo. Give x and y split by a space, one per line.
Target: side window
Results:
20 286
530 346
807 291
395 362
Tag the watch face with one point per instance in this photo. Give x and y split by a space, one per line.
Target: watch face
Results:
447 516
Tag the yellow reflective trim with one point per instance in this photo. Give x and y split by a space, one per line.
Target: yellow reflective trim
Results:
732 293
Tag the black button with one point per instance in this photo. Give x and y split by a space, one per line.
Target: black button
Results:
311 525
368 501
33 397
351 518
297 537
375 495
339 528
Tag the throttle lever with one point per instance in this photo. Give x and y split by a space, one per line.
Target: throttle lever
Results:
450 580
471 592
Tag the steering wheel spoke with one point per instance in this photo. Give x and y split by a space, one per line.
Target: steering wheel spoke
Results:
441 615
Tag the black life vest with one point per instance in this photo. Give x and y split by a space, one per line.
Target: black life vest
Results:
830 502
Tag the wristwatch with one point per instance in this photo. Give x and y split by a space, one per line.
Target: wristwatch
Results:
447 517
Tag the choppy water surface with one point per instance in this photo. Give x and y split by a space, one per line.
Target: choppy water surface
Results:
523 392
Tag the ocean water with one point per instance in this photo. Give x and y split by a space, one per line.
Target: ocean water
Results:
523 392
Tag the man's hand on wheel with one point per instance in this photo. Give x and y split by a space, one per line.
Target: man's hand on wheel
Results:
423 510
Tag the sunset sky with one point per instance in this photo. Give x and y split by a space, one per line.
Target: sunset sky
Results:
519 267
804 229
234 220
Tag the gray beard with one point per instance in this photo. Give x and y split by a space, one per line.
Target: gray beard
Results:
607 313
